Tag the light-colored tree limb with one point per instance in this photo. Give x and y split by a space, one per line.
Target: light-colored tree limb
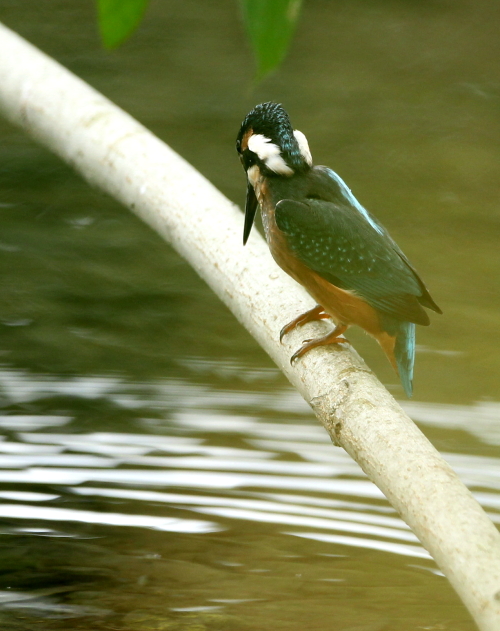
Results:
114 152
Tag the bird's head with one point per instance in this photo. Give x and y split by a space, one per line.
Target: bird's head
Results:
268 145
267 140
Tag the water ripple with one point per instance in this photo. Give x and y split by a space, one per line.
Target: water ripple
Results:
279 474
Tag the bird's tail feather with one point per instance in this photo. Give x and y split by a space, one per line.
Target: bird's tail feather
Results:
399 346
404 351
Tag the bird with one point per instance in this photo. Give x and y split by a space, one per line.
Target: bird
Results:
321 236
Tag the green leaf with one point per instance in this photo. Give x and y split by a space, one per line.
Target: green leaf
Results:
270 25
118 19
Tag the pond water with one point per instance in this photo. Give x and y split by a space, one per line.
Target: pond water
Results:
156 470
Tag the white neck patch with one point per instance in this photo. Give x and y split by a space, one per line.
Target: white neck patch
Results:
303 146
269 153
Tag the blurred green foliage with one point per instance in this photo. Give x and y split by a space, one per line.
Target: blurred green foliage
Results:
118 19
270 25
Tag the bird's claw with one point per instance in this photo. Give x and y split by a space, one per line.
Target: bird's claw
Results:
309 344
317 313
295 357
303 349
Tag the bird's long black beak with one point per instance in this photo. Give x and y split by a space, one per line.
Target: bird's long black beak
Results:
250 210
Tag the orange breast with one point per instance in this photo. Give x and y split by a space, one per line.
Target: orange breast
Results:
343 306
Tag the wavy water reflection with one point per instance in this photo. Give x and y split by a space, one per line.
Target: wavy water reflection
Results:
238 482
268 466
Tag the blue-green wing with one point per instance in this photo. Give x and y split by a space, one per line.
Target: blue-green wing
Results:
342 246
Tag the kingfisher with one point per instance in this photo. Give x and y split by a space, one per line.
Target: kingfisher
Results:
321 236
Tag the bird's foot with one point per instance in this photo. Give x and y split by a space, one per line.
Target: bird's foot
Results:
317 313
331 338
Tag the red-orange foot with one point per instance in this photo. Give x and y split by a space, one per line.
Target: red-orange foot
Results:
317 313
331 338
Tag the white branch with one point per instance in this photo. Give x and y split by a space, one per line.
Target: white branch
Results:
114 152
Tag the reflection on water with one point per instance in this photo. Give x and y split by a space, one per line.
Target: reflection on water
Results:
480 419
212 479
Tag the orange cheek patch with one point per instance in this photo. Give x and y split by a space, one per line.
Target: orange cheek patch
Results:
244 140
